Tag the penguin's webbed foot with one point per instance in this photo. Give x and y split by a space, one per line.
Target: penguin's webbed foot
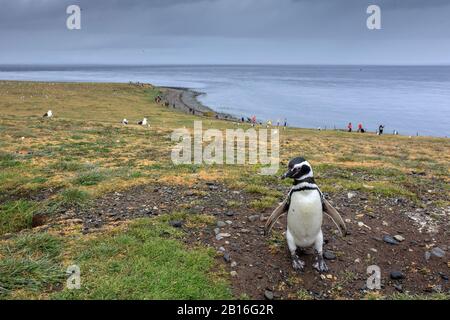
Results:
320 265
298 264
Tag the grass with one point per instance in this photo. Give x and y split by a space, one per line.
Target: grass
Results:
16 216
32 265
146 261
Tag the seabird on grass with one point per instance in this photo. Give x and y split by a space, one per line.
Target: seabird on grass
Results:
48 114
124 122
143 122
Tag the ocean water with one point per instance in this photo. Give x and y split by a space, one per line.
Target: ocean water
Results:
409 99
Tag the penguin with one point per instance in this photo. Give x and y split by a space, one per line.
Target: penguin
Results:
48 114
124 122
143 122
305 205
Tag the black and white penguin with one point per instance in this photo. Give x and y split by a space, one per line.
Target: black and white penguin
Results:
143 122
305 206
48 114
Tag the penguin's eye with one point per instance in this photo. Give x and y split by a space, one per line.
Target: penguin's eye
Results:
302 171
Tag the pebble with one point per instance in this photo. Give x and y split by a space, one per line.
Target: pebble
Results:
268 295
390 240
176 223
438 252
216 231
351 195
399 238
328 255
397 275
230 213
220 236
222 249
226 257
221 224
253 218
233 264
443 276
398 287
233 273
228 222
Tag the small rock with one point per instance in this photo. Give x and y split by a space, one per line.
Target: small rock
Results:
397 275
221 224
437 288
227 257
220 236
233 273
351 195
268 295
233 264
438 252
398 287
358 260
230 213
222 249
399 238
228 222
443 276
329 255
373 250
216 231
390 240
253 218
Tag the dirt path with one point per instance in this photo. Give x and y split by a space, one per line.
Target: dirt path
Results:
260 267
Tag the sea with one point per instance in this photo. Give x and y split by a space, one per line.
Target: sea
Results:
412 100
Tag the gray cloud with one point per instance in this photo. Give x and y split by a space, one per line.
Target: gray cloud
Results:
225 31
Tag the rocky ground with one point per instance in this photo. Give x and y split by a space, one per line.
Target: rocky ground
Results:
409 243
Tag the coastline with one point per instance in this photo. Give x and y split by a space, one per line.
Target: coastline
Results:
186 100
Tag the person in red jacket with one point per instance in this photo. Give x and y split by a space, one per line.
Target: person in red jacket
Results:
350 127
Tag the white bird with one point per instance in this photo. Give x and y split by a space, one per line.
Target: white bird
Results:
124 122
143 122
48 114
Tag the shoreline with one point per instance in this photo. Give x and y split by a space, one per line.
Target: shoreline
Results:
186 100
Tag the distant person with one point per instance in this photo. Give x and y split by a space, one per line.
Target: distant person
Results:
242 119
285 124
380 129
349 127
360 127
278 122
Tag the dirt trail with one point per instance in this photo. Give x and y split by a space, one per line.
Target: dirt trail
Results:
260 267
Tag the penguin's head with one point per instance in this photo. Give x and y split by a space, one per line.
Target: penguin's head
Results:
298 168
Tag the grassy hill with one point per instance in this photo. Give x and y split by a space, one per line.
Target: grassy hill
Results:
83 189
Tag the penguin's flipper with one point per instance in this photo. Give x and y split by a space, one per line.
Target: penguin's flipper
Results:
278 212
335 216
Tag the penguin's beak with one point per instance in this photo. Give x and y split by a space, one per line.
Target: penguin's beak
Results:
288 174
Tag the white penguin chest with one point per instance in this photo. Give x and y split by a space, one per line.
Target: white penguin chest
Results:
305 217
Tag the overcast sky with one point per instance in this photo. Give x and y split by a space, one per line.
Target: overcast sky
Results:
225 32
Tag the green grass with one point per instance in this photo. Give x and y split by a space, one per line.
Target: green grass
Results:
73 198
32 264
16 216
146 261
90 178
